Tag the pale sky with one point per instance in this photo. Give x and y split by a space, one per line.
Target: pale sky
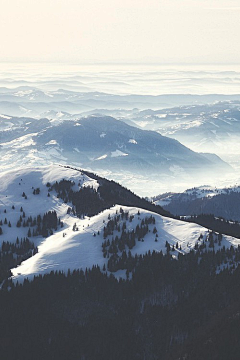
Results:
162 31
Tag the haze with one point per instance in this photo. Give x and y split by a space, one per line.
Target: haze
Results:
136 31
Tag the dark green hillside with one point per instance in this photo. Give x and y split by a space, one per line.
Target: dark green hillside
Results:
88 201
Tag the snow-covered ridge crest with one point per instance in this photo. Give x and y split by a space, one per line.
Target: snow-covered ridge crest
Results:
41 175
80 244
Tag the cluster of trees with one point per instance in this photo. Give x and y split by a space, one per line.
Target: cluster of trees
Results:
220 225
8 222
114 224
213 239
42 225
115 250
20 247
12 254
5 222
24 195
88 201
36 191
62 187
124 261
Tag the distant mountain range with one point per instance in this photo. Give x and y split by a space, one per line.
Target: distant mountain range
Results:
32 101
223 202
102 143
209 127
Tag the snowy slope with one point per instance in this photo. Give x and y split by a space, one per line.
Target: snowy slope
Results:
16 182
100 142
81 249
69 248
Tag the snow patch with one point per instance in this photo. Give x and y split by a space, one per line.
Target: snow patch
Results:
102 157
21 142
52 142
5 117
117 153
60 114
132 141
161 116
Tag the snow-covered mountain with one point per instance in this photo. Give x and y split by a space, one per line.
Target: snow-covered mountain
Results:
80 242
211 128
223 202
52 97
17 195
70 249
103 144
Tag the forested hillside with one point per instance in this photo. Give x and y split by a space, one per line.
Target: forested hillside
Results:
170 309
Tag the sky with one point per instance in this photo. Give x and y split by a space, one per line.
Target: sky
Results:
125 31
